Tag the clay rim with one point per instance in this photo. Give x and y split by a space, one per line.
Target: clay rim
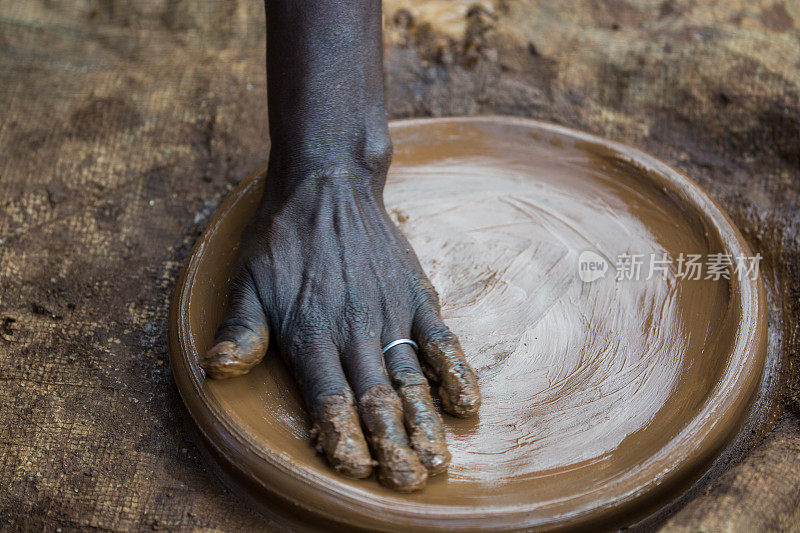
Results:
681 460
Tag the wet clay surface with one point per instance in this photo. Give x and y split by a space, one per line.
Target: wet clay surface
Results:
599 398
125 124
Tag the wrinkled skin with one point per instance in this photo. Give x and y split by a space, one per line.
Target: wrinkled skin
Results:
325 275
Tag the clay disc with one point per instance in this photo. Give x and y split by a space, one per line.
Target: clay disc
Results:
603 399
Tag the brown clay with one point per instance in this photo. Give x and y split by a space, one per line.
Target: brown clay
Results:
458 397
228 359
400 468
602 401
338 434
427 436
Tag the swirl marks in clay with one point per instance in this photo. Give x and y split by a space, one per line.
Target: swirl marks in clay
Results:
568 369
601 399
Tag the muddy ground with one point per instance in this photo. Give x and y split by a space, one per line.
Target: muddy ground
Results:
123 123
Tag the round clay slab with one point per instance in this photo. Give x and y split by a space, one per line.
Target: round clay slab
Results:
611 378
